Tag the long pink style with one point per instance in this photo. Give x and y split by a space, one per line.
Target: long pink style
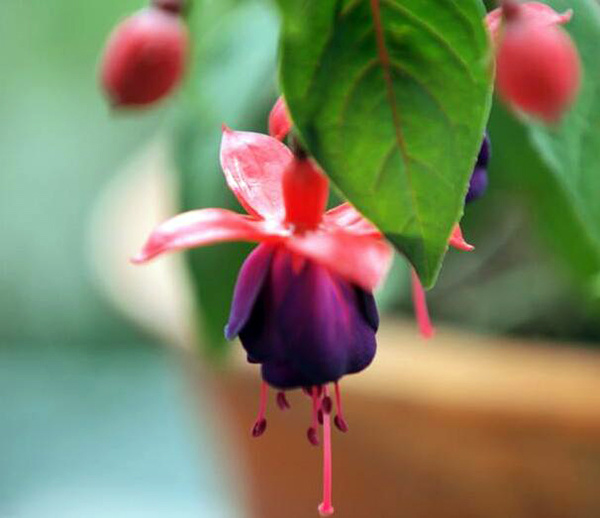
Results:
325 508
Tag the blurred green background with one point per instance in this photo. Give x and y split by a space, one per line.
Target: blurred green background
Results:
94 419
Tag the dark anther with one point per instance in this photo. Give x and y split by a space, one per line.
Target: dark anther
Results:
312 436
340 423
282 401
259 428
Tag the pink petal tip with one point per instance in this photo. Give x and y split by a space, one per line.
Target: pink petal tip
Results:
458 241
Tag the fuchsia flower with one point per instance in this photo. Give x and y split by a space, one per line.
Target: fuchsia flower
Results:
303 306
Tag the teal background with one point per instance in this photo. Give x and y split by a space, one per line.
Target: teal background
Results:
96 418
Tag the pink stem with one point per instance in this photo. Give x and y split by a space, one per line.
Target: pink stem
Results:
262 408
420 304
510 9
316 402
325 508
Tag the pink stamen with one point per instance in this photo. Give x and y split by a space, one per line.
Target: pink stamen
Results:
260 425
339 420
282 401
311 433
325 508
420 305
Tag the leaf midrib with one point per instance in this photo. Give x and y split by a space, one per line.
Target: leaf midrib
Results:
384 59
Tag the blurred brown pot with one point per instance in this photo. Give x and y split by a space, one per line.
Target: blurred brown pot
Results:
458 427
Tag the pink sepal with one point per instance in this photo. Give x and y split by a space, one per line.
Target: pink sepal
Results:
205 227
458 241
253 165
347 217
280 123
363 260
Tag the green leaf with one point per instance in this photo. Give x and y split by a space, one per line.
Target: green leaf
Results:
557 167
232 82
391 97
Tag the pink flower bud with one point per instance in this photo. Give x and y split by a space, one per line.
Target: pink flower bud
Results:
145 58
537 67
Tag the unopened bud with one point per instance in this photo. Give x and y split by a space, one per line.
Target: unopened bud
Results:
538 69
145 58
280 123
259 428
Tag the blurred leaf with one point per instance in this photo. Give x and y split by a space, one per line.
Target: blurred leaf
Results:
557 167
391 97
232 82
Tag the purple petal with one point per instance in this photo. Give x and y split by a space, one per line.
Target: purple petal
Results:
327 332
484 152
282 375
248 286
309 326
368 307
261 336
478 184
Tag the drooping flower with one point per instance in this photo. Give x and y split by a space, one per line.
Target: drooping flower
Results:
302 306
538 70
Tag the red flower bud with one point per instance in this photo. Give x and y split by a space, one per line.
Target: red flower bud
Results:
144 58
305 192
538 68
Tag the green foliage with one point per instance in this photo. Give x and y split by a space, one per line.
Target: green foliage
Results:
392 97
557 167
346 114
